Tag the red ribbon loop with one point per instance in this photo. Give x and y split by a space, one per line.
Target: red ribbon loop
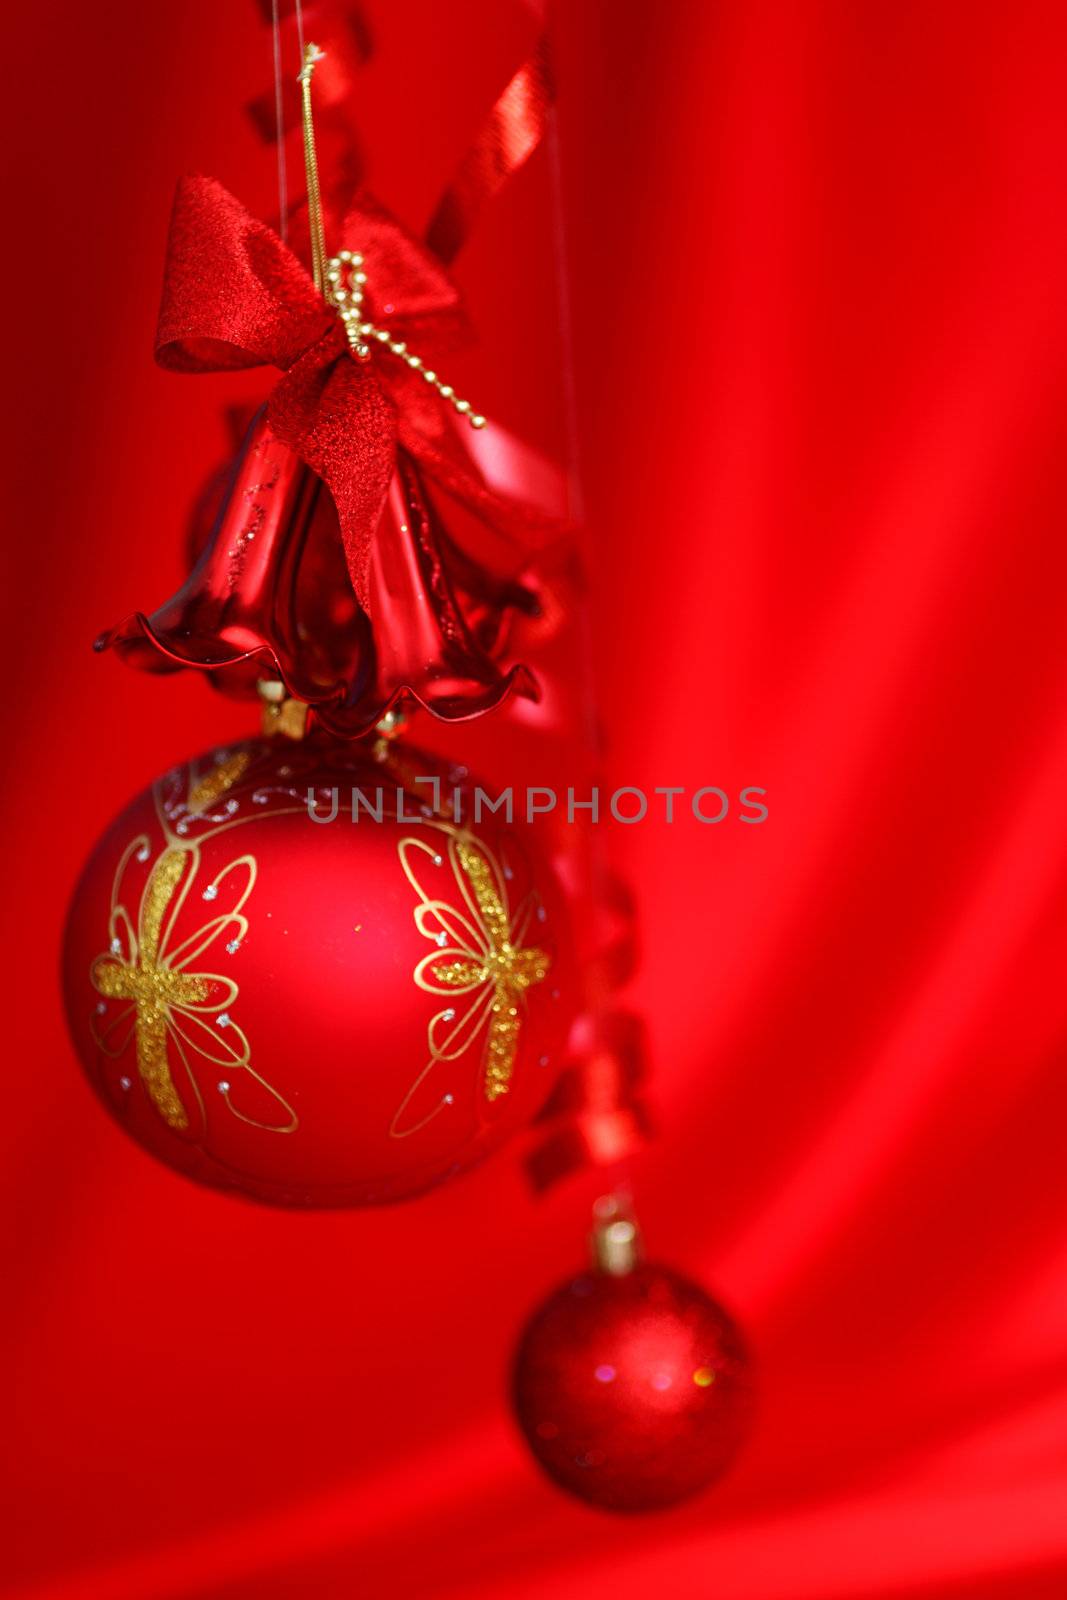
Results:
233 294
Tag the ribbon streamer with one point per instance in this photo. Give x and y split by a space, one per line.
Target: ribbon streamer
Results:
511 133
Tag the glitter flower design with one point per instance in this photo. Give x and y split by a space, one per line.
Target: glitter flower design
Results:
175 1013
479 962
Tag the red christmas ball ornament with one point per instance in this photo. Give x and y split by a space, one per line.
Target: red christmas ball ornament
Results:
631 1384
274 998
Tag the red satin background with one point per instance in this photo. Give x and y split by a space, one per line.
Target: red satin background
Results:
818 262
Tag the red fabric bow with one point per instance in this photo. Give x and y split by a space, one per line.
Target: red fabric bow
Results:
235 296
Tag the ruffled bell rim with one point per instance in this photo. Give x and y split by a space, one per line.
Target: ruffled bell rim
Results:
269 597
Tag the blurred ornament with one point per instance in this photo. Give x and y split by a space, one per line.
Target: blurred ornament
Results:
631 1384
273 998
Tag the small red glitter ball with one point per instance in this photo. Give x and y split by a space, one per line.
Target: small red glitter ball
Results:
633 1391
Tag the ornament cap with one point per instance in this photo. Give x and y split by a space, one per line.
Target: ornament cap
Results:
282 713
616 1238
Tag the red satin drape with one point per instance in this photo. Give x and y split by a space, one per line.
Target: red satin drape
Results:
818 267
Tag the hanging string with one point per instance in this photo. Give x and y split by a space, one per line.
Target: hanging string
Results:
604 1121
311 56
300 29
279 119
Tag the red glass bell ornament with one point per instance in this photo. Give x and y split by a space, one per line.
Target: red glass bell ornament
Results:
311 1010
270 597
631 1384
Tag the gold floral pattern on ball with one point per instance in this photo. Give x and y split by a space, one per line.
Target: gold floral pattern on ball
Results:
480 962
178 1016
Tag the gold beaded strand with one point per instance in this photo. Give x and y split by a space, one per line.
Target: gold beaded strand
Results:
347 298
